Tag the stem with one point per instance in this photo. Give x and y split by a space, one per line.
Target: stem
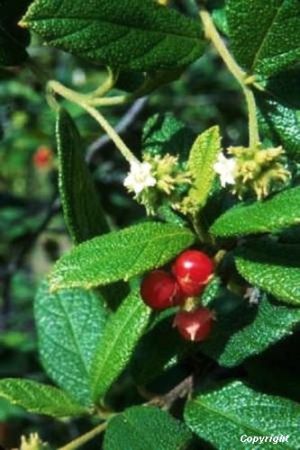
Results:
166 401
254 139
107 85
111 101
85 437
127 120
80 100
241 76
202 234
119 143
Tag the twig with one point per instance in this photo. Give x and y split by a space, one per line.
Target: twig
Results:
166 401
79 99
128 118
85 438
241 77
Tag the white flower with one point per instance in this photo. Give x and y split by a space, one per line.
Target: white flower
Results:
225 168
139 177
253 294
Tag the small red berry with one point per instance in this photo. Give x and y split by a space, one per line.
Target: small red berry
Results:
194 325
160 290
193 270
42 157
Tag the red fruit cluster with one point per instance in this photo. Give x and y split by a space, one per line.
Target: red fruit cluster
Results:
160 290
43 157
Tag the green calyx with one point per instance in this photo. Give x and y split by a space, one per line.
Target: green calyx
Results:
258 170
33 442
168 172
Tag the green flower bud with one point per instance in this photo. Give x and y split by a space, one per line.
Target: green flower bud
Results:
33 442
258 170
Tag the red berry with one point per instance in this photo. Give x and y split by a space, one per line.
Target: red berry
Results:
194 325
193 270
160 290
42 157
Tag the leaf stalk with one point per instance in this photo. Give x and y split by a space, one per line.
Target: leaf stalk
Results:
78 442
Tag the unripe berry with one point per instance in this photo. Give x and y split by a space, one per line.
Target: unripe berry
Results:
43 157
194 325
160 290
193 270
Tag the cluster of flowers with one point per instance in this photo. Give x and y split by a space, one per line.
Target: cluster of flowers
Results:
252 169
190 273
156 179
246 171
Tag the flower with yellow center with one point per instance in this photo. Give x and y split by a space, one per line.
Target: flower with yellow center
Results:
140 177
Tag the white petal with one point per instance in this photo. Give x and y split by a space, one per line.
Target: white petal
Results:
225 168
139 177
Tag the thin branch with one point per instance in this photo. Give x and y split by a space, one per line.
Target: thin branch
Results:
241 77
127 120
85 438
183 389
79 99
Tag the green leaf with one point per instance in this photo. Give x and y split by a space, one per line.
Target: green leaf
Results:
129 81
278 107
121 334
281 125
39 398
264 34
120 255
243 330
203 156
219 15
131 35
146 427
284 87
224 415
70 326
82 209
81 203
163 134
159 78
167 214
13 39
268 216
211 290
272 267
